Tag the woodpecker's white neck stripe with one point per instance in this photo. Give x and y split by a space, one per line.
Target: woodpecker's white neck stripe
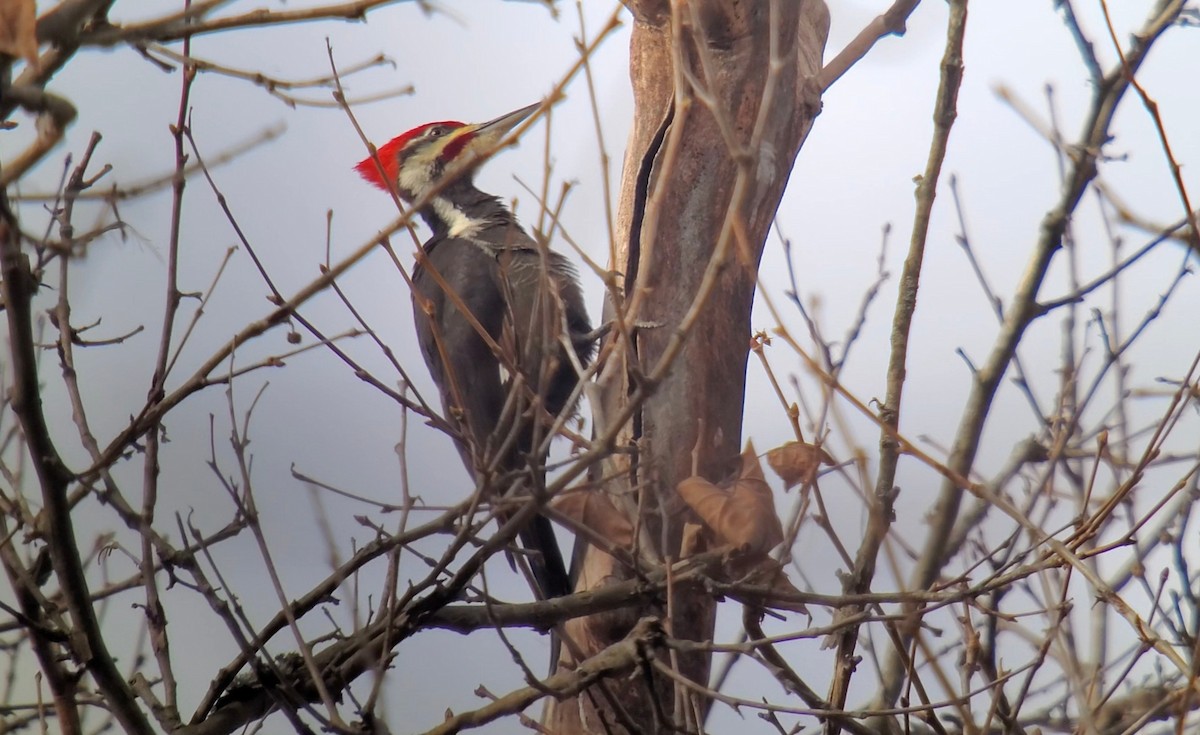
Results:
458 222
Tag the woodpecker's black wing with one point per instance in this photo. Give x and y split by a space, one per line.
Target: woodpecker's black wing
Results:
542 296
521 298
461 361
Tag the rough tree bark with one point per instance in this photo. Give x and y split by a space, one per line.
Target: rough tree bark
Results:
725 94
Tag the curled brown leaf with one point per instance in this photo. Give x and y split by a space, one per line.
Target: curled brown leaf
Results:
694 540
797 462
782 595
18 30
593 510
741 514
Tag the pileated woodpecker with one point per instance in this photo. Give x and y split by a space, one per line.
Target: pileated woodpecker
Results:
525 304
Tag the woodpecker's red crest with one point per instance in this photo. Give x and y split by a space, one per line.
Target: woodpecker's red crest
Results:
416 159
389 154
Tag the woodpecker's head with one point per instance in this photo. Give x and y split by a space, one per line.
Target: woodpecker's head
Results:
418 159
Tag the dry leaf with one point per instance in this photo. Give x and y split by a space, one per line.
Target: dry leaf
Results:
796 462
594 510
18 29
742 516
769 573
840 617
693 541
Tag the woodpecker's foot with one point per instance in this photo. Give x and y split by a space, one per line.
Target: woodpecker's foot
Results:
602 331
643 324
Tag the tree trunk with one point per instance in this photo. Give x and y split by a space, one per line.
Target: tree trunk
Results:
716 131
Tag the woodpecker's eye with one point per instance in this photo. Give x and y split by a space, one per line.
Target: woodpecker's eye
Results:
435 131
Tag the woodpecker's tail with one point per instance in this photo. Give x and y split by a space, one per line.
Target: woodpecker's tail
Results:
545 558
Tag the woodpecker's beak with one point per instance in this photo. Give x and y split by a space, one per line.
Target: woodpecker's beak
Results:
485 137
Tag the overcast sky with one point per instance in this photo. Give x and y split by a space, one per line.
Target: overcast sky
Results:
477 60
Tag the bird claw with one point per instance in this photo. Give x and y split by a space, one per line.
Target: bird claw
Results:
602 331
641 324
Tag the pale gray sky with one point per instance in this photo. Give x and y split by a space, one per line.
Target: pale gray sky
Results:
478 60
